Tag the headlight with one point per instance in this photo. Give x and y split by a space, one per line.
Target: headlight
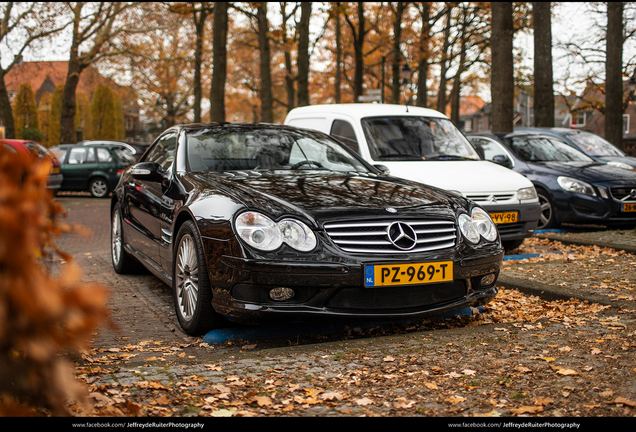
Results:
620 165
262 233
527 194
573 185
297 235
468 228
479 224
259 231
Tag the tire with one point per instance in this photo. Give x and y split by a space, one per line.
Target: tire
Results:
99 187
123 262
548 212
191 285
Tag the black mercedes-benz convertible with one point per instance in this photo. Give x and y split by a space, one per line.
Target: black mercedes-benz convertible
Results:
257 223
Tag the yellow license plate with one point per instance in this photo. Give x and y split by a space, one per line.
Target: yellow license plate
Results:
55 170
407 274
629 207
503 218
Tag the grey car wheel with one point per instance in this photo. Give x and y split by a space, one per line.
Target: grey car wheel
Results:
547 219
123 262
99 187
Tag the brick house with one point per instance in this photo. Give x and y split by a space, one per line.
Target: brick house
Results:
44 76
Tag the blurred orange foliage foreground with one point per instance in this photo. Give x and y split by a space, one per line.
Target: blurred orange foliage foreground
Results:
42 316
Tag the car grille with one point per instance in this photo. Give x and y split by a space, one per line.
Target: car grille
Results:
499 198
373 237
624 193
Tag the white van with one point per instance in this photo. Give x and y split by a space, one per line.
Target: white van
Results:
423 145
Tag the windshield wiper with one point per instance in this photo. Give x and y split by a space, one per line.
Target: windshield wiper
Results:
400 156
449 157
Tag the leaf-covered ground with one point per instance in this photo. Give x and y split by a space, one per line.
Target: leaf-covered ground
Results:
523 356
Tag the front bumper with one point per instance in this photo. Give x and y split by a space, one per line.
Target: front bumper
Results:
580 208
525 224
335 291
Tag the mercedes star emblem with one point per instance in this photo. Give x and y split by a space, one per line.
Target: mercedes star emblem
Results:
402 235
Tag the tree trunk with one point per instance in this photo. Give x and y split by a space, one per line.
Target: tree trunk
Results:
67 118
502 74
457 82
219 62
199 25
267 109
614 78
338 73
543 80
397 38
422 74
358 76
441 97
303 54
5 108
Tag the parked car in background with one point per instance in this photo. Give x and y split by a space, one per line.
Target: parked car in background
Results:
258 223
55 177
423 145
596 147
572 187
95 168
134 150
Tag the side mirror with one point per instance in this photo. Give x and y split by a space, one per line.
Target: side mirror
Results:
384 170
150 171
502 160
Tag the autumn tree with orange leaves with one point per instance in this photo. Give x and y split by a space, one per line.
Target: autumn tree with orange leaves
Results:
41 315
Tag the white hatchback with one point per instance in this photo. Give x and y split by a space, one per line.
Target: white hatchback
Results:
423 145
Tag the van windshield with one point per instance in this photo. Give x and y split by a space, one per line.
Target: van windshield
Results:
408 138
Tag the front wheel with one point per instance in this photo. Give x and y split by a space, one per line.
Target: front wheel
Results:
547 218
99 187
190 283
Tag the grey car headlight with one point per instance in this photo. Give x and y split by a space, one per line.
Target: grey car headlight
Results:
620 165
573 185
261 232
478 224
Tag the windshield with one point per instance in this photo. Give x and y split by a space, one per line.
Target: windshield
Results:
230 149
546 150
594 145
416 138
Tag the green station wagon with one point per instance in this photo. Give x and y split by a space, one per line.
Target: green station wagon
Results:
95 168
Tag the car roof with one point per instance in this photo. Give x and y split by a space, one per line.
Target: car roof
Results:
362 110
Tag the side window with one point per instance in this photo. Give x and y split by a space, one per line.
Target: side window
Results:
343 131
59 153
77 156
90 156
103 155
164 150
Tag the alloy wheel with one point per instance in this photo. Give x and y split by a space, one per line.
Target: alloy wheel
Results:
116 239
187 277
99 188
546 212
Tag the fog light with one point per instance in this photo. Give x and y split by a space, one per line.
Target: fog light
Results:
487 280
281 294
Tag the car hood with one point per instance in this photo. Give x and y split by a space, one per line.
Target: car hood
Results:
587 171
322 196
465 176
